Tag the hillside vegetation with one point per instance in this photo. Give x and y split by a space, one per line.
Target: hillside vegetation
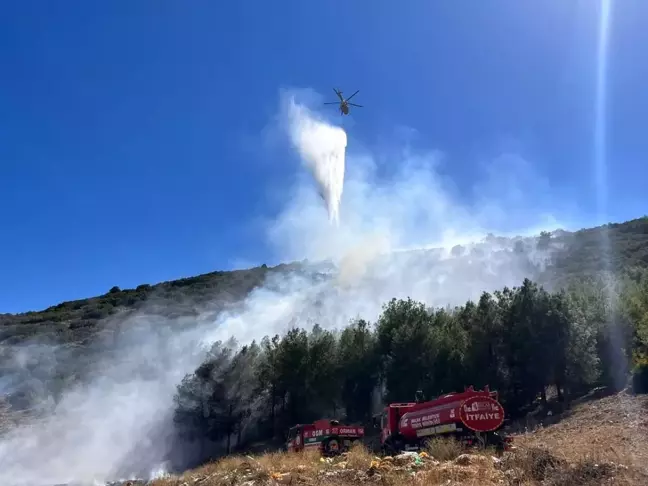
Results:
580 320
77 321
577 254
537 348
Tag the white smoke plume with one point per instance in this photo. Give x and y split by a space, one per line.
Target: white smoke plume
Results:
322 148
119 425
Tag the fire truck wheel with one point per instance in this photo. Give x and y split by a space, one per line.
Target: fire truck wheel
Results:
392 446
498 441
332 446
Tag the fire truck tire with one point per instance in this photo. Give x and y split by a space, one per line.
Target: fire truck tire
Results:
392 446
387 448
332 446
495 439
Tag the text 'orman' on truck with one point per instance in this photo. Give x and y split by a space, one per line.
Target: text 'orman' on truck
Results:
328 436
474 417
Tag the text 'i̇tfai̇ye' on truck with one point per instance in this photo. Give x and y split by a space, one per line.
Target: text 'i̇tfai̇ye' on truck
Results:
473 417
328 436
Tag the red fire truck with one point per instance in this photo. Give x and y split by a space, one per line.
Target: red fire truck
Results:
474 417
326 435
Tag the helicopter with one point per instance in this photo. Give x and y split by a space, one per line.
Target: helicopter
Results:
344 104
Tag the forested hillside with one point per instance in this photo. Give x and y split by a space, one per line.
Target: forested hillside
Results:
524 341
578 320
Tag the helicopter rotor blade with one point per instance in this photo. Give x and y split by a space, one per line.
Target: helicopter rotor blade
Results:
353 104
353 95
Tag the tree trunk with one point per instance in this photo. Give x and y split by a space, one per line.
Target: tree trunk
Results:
273 400
239 430
229 429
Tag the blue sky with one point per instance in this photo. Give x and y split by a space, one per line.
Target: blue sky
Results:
131 133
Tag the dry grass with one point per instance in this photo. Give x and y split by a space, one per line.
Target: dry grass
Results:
525 467
603 442
356 467
359 458
612 429
534 466
234 470
444 449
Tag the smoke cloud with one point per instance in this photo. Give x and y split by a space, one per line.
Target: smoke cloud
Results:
119 424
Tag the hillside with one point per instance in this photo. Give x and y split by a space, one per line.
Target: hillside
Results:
600 442
572 255
77 321
122 383
83 329
610 429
